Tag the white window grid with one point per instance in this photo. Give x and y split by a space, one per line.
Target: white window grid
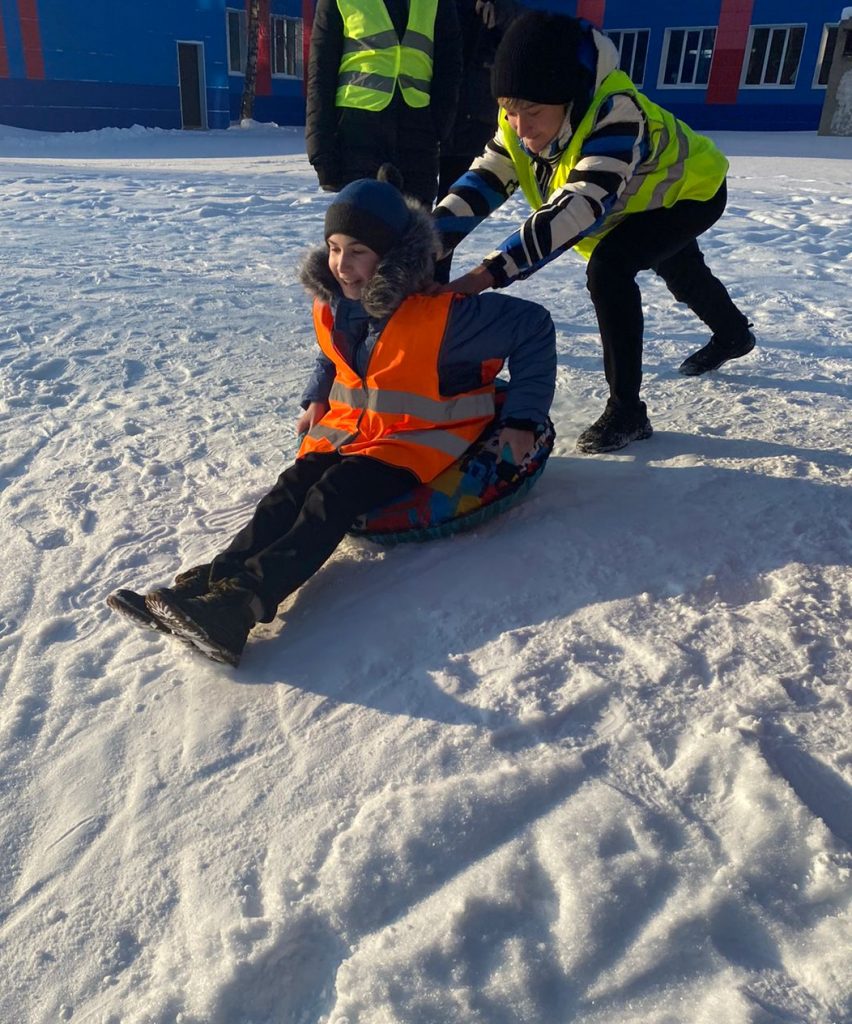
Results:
689 49
773 42
236 32
632 45
826 50
287 47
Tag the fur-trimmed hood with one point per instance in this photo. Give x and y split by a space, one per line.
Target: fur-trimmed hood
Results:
404 270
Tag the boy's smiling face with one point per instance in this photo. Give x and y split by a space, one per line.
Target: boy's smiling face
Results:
352 263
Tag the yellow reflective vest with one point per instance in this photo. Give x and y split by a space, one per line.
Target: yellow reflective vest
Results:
681 163
375 60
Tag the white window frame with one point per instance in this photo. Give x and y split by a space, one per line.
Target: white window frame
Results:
635 33
827 29
661 78
787 28
290 25
243 33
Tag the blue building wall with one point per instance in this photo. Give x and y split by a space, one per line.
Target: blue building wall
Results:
764 108
114 63
83 64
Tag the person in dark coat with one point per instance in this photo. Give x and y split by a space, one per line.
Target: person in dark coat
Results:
345 143
482 23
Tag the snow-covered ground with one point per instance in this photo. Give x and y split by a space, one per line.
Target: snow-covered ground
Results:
589 764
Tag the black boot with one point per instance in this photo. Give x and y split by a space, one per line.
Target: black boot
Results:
616 427
217 623
718 350
191 583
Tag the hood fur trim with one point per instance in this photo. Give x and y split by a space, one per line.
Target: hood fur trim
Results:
405 269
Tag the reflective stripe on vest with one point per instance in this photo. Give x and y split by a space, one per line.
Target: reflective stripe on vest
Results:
375 60
396 413
681 163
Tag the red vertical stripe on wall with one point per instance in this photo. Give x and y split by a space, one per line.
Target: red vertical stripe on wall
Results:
31 36
4 57
264 52
592 10
307 25
729 52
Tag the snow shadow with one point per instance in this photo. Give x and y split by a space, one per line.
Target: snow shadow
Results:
697 518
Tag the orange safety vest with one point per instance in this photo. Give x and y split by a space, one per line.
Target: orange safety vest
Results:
396 413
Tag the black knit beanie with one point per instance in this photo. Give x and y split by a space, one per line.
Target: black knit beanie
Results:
538 59
372 211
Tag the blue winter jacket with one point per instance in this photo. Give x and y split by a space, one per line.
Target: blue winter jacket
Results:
481 329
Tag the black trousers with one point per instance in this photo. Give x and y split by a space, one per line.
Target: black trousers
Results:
664 241
399 134
300 522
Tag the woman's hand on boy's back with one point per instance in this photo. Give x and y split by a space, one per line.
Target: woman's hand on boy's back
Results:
310 417
472 283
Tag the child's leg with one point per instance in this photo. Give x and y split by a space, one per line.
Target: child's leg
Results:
274 515
350 486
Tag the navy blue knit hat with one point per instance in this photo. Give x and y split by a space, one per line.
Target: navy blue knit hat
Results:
372 211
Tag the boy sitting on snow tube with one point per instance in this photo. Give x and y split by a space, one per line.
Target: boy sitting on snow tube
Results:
484 482
404 386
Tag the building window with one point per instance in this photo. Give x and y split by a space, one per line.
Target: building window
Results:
287 47
236 42
826 52
774 53
632 45
687 53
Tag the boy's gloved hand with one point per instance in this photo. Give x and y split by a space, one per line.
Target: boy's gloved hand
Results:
515 444
310 417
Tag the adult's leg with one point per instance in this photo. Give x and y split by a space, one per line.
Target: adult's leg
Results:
662 240
688 277
347 488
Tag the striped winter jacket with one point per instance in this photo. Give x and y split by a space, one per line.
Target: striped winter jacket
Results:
615 147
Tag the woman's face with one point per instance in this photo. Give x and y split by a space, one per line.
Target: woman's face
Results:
351 262
535 124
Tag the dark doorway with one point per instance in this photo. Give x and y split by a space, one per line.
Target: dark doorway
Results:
191 74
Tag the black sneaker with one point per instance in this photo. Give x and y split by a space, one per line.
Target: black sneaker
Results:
615 428
191 583
716 352
217 623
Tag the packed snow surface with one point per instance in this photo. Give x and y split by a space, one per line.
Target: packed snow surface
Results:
590 763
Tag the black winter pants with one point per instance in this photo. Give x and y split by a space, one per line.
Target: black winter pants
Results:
300 522
664 241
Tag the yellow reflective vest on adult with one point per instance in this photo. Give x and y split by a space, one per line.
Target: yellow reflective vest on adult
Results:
681 164
396 412
375 60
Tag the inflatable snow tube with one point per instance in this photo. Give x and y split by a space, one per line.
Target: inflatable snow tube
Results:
475 488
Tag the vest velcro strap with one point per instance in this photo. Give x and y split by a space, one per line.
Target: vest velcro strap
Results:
439 440
421 84
417 41
403 403
365 80
376 41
